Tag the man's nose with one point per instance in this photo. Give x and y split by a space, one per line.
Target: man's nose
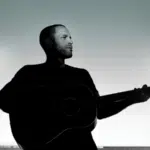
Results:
70 41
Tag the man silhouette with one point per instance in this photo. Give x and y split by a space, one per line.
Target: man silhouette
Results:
30 95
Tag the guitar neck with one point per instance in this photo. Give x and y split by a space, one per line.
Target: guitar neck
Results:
124 95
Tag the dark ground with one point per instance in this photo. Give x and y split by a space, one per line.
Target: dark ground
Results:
104 148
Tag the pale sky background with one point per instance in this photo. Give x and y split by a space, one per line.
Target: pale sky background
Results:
111 40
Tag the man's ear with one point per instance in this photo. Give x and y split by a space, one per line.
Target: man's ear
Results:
48 43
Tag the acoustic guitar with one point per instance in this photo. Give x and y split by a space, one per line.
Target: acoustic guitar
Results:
78 109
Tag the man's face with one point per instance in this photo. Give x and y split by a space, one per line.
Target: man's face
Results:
63 42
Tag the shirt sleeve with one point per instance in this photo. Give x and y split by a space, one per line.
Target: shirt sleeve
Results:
8 92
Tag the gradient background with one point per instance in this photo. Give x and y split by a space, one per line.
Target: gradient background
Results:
111 40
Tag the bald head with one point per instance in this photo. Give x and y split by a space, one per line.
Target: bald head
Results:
47 36
56 39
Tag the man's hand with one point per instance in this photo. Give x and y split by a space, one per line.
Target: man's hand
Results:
141 95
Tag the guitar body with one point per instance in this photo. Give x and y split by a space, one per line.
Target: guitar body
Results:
73 109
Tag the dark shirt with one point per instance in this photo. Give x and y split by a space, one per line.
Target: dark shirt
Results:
29 98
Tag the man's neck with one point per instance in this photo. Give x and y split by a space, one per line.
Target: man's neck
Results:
56 62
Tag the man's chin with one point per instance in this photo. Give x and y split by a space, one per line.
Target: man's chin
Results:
67 57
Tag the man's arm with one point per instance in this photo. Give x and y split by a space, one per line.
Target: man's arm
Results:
110 106
9 91
6 97
105 110
115 103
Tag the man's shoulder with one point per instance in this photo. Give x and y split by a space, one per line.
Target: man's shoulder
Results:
78 69
31 67
26 69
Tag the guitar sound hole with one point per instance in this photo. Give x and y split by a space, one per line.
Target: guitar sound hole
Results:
70 106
